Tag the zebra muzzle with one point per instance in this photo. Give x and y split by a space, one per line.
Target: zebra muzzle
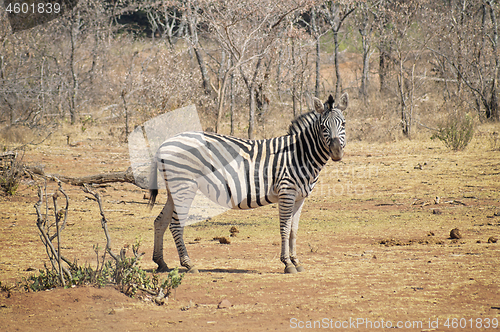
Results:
336 151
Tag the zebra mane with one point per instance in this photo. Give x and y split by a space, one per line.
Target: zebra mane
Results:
302 122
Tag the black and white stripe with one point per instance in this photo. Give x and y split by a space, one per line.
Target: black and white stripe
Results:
243 174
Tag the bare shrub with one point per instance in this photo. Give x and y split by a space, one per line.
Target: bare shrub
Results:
122 271
457 132
10 173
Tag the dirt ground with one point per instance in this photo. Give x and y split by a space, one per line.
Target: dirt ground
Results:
373 238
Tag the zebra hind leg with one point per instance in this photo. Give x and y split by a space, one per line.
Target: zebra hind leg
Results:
297 264
160 225
293 235
293 254
285 249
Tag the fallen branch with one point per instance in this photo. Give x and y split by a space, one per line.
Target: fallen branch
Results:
8 155
125 177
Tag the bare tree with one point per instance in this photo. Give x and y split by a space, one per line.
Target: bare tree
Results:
193 10
469 45
246 31
384 14
315 23
365 22
75 24
493 107
408 51
335 13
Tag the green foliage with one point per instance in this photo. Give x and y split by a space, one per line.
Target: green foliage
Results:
46 279
125 272
86 275
9 185
173 281
86 121
457 132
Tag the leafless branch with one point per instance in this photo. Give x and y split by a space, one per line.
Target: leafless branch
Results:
104 221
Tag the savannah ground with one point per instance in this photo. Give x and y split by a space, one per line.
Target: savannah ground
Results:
373 241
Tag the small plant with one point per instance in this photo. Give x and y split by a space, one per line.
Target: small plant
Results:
127 274
86 121
173 281
164 290
120 270
457 132
124 273
46 279
10 177
7 289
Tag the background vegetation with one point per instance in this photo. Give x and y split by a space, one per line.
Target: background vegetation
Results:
249 65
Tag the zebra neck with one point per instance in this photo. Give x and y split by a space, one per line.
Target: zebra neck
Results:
312 151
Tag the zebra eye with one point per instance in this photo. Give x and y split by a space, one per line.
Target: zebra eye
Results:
343 123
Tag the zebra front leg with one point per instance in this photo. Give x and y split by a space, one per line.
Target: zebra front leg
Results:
161 223
297 208
183 195
286 204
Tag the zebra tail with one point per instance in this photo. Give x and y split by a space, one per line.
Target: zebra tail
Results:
153 184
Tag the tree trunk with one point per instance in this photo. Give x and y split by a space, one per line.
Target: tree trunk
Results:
278 74
251 118
315 29
365 41
203 70
405 92
74 77
127 130
294 81
335 16
220 106
221 93
494 111
338 84
318 68
383 67
192 27
366 71
231 98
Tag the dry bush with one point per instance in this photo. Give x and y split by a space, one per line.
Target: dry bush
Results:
11 172
457 132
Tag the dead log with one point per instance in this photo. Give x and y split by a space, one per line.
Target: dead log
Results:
124 177
8 155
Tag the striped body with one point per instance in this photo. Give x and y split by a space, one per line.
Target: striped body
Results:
244 174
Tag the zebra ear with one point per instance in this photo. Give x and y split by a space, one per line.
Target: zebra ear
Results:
318 105
344 101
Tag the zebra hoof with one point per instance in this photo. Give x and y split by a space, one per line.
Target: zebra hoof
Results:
290 269
299 268
193 270
163 268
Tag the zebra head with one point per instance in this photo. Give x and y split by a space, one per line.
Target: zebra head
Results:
332 123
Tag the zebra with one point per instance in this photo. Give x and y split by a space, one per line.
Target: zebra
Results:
244 174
